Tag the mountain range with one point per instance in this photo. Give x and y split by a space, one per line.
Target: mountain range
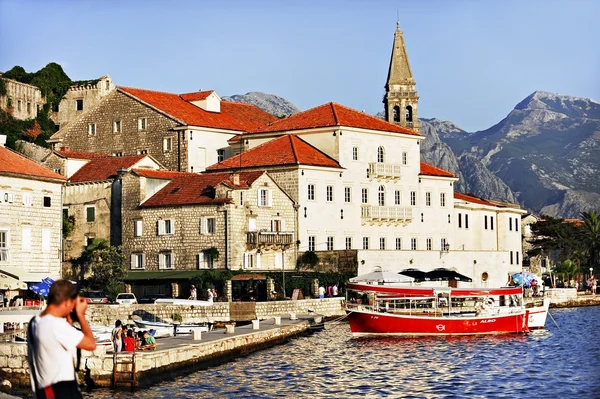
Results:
544 155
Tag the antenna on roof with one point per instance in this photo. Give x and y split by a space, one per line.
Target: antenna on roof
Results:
397 19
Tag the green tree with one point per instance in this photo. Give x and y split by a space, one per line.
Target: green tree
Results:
590 234
90 253
566 269
554 237
108 271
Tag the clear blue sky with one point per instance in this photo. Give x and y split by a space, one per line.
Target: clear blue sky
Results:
473 60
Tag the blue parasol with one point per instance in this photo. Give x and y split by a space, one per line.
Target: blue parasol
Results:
524 279
42 288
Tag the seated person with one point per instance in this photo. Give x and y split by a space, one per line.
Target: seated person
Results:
139 340
129 342
149 341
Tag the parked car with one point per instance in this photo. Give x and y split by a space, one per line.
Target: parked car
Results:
150 298
94 296
126 298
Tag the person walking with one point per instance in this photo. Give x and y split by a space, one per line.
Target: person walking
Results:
193 293
321 292
210 296
52 341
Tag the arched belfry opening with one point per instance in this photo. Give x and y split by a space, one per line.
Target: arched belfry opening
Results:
396 113
409 113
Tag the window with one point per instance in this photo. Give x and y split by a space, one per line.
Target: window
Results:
143 152
142 123
348 242
79 105
91 129
27 200
492 222
329 191
365 196
517 227
405 158
365 242
45 240
277 225
47 202
3 245
380 155
398 197
19 105
448 218
485 224
265 197
460 220
413 198
116 126
165 260
381 196
429 244
413 244
251 260
208 225
443 244
428 199
511 257
311 192
26 239
398 243
137 228
442 199
312 243
167 144
330 243
90 213
166 226
396 113
28 107
220 155
241 198
138 261
347 194
117 154
382 243
517 257
205 260
466 220
510 224
355 153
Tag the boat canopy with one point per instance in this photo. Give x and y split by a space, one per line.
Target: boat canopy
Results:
379 276
420 291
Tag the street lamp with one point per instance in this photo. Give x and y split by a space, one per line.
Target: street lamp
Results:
591 271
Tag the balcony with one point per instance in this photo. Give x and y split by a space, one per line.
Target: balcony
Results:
258 238
384 170
386 213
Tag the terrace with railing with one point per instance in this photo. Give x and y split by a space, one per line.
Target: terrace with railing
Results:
386 213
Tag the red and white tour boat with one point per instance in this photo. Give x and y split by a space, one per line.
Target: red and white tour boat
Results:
422 311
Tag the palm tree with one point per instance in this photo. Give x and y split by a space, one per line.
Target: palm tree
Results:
89 254
566 269
591 235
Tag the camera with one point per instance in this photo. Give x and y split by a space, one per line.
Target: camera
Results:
74 317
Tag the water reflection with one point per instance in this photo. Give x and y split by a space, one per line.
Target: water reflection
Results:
331 364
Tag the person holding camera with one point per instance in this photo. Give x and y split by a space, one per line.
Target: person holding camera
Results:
52 342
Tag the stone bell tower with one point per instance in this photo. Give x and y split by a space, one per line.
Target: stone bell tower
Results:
401 100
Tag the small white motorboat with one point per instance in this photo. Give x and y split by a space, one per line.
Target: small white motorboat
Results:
168 328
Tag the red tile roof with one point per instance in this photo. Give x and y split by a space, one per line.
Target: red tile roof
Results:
285 150
104 168
252 116
474 199
332 114
230 118
80 155
158 174
430 170
199 95
14 164
198 189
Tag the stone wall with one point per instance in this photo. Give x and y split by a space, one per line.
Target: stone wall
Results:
561 295
23 101
118 106
90 94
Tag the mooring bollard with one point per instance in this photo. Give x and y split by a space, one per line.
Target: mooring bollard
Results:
318 319
293 316
229 328
277 320
255 325
197 334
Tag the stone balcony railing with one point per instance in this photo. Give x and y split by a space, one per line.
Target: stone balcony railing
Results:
269 238
386 213
385 170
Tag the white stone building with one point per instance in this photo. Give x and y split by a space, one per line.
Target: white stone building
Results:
30 218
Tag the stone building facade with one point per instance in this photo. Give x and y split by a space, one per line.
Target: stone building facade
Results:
21 100
81 98
238 224
30 218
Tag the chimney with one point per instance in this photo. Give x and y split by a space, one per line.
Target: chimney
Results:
235 178
2 140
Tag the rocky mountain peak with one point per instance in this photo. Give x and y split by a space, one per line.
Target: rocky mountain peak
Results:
573 107
270 103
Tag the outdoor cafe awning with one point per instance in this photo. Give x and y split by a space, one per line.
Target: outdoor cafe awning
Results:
10 283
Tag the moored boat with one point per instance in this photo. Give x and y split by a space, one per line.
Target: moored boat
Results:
423 311
537 312
166 329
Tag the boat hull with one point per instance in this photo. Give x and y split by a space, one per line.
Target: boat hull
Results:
370 323
536 316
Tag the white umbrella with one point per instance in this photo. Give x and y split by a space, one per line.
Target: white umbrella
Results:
379 276
10 283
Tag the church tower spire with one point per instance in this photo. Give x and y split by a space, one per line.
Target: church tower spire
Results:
401 99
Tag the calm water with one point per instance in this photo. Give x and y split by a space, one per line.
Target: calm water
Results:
556 363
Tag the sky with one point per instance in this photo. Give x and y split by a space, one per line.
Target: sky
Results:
473 61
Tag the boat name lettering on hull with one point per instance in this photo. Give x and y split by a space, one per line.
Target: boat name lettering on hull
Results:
488 321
